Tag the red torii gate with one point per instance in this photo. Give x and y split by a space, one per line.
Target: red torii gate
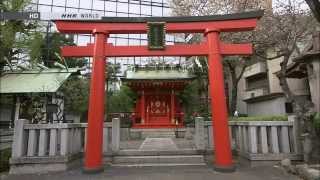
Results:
213 48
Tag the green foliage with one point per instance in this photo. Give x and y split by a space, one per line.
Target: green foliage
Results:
4 159
316 120
56 41
259 118
76 94
121 101
190 99
35 48
12 32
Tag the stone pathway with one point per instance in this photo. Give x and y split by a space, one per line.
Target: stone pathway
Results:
158 144
162 173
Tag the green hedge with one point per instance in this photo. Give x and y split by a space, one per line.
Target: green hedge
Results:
259 118
4 159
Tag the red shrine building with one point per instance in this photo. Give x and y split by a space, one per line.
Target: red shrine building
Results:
157 105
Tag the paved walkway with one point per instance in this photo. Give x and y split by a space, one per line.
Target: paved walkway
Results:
158 144
163 173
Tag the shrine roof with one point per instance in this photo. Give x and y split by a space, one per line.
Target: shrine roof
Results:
165 74
235 16
34 81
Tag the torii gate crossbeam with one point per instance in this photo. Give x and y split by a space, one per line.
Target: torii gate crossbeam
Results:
213 48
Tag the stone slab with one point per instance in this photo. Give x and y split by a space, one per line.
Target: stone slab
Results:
158 144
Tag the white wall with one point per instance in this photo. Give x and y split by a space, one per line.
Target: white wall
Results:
267 107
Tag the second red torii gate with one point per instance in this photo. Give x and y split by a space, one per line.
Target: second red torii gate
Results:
213 48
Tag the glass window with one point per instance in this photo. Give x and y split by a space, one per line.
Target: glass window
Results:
123 7
166 12
85 4
134 42
112 40
156 11
134 15
144 42
83 40
109 13
44 9
122 35
72 3
144 36
134 36
85 10
59 2
45 2
134 9
111 6
58 9
122 42
146 10
72 10
98 5
101 13
122 14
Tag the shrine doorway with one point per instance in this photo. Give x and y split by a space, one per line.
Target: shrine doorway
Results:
158 109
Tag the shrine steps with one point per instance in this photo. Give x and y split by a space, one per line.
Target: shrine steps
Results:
156 133
156 126
137 152
145 158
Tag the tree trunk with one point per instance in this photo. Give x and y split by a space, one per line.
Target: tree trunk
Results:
303 111
234 97
235 81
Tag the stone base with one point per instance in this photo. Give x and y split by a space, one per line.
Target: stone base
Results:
225 169
43 168
93 170
32 165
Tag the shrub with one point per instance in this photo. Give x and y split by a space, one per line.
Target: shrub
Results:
4 159
260 118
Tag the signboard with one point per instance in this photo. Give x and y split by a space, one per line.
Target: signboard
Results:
19 16
156 35
49 16
70 16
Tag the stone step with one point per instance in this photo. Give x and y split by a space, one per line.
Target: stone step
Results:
170 159
157 164
157 134
156 129
135 152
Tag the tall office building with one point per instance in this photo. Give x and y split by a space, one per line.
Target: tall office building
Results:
112 8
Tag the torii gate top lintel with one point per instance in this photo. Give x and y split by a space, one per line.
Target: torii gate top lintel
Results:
185 24
131 25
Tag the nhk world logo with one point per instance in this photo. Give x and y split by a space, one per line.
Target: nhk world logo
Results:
48 16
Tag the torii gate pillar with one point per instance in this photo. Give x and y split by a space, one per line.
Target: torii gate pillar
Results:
93 155
223 156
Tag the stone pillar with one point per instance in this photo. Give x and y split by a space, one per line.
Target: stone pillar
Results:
105 138
64 146
115 134
199 133
314 83
17 109
53 142
19 136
